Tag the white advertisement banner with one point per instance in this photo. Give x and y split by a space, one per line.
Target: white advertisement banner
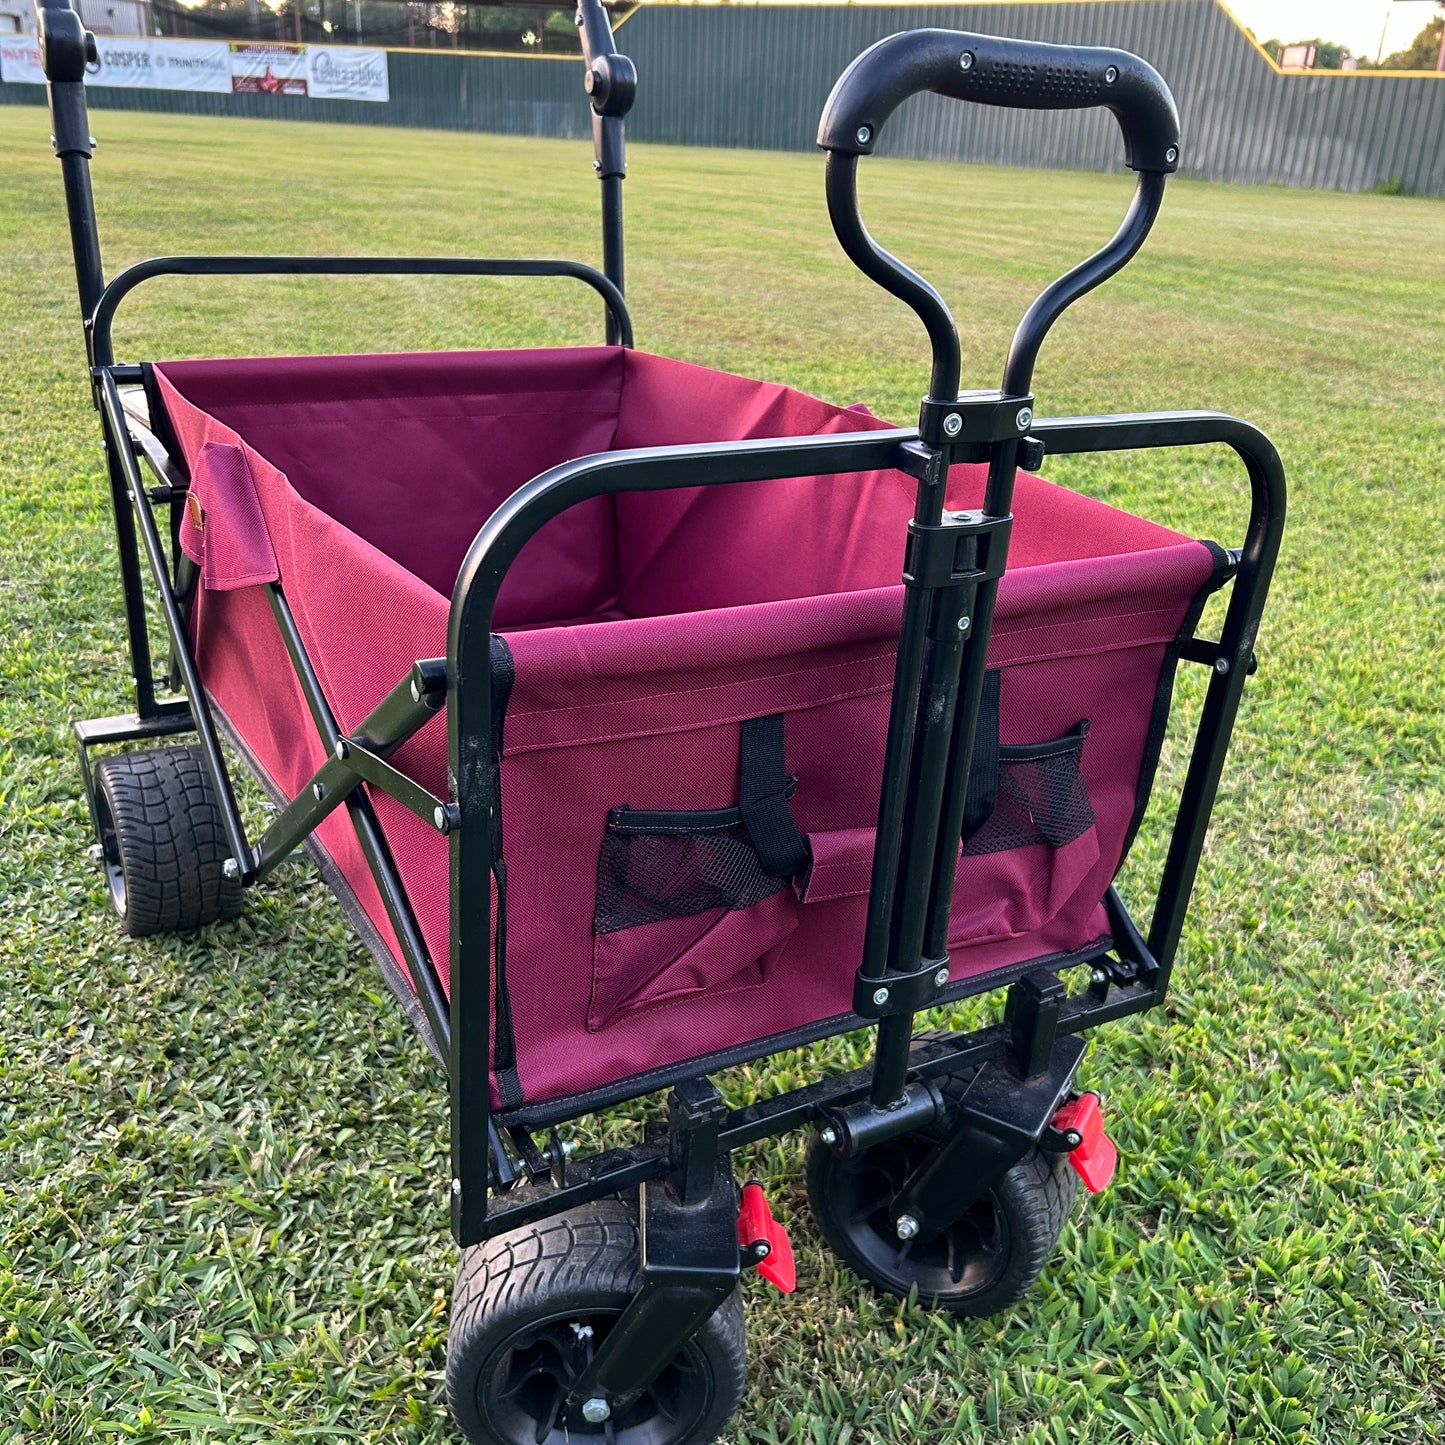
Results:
20 60
125 63
328 72
190 65
345 73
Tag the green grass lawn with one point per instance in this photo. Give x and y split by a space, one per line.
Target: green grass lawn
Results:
222 1157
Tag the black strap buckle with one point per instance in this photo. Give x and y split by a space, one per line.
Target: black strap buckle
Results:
965 548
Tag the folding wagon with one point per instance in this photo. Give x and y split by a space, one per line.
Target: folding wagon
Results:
799 723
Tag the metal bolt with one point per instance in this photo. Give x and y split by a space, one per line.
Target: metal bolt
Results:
965 61
864 134
828 1134
342 749
457 1187
596 1410
880 996
1221 666
1111 75
762 1249
1172 154
439 817
964 623
941 977
96 851
569 1147
230 870
1024 419
1073 1138
318 791
907 1226
1099 976
952 424
415 690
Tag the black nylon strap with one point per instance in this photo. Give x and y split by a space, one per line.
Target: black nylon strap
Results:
763 799
982 796
504 1046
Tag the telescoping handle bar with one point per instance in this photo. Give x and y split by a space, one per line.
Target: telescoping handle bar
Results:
991 70
954 561
611 84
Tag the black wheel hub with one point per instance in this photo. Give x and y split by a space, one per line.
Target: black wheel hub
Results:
524 1394
967 1258
110 853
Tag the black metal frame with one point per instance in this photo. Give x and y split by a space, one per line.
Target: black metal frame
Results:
953 562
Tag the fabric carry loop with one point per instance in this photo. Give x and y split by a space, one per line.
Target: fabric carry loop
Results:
982 796
763 799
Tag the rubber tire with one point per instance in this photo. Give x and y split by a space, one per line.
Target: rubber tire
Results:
162 842
586 1261
1030 1206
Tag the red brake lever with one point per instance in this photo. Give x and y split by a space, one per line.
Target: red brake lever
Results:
1094 1157
766 1240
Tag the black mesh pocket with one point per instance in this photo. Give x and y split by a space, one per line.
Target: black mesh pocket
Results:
657 865
1041 797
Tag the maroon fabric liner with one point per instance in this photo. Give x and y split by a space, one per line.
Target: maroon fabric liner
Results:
644 629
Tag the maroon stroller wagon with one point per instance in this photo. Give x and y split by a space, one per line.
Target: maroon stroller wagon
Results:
647 721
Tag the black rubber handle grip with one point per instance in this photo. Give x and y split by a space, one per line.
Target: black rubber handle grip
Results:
64 45
992 70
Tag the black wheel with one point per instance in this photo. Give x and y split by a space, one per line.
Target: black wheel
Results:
531 1309
161 842
984 1262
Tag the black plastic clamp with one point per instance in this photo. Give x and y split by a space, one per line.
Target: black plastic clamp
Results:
965 548
969 425
878 996
1031 1016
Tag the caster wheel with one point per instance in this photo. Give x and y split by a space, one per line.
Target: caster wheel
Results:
530 1310
983 1263
161 842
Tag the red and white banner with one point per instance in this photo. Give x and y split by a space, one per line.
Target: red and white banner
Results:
258 68
20 60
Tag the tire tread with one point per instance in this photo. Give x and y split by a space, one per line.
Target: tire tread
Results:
170 840
588 1255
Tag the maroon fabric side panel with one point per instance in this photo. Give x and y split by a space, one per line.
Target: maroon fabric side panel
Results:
709 547
663 674
644 710
414 453
662 733
364 621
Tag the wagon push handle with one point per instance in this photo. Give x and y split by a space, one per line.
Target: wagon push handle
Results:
993 70
67 48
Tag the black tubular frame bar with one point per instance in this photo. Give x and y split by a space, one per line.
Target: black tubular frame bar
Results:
356 757
469 717
67 50
98 325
